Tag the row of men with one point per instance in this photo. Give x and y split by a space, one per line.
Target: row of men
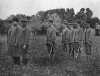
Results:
18 41
73 40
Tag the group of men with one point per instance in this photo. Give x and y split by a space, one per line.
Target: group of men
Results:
18 43
75 39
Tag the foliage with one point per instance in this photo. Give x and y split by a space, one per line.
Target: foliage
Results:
3 28
84 15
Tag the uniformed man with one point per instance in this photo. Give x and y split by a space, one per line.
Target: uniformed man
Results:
12 41
24 43
92 42
66 38
75 44
89 38
86 38
51 39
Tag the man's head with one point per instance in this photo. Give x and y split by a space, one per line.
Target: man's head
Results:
24 26
75 26
51 21
65 22
87 26
15 24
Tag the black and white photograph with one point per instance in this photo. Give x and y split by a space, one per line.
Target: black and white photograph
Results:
49 37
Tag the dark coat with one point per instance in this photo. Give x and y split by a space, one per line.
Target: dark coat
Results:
12 39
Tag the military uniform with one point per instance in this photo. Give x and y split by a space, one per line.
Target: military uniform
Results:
24 43
86 39
89 41
12 41
13 37
75 43
66 39
51 39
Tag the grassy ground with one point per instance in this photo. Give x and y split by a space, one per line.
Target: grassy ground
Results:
39 64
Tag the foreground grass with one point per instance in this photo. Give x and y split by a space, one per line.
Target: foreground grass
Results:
39 64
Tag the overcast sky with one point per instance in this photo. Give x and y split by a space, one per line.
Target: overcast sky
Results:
30 7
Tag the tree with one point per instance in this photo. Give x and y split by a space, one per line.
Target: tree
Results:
15 19
93 21
89 13
41 15
81 15
69 14
3 29
61 13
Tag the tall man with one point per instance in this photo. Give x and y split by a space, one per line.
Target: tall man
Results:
75 44
24 43
12 41
66 38
89 39
51 39
86 38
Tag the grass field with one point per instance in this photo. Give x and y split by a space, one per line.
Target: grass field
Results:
39 64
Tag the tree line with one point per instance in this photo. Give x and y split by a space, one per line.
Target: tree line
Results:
83 15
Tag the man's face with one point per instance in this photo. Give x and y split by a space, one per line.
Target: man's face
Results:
15 25
24 25
50 22
75 27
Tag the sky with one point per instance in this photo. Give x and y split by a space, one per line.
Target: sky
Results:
30 7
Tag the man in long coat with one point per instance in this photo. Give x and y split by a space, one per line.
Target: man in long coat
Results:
12 41
24 43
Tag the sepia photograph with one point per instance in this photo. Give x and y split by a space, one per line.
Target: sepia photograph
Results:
49 38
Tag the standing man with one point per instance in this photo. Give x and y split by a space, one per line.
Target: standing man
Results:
86 38
66 38
24 42
12 41
51 39
75 45
89 39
